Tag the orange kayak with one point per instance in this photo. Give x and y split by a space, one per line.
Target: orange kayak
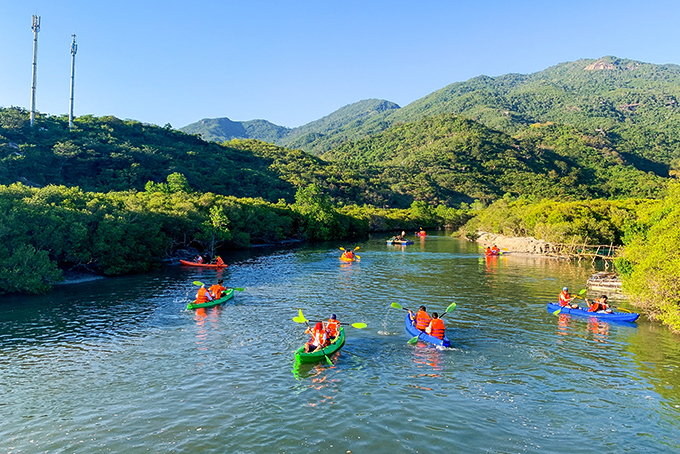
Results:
204 265
347 259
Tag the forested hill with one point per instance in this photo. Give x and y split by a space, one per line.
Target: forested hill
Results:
442 159
634 105
347 118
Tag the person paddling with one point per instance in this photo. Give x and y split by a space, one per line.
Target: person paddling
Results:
333 327
318 340
566 300
217 289
203 295
421 319
348 254
436 328
599 305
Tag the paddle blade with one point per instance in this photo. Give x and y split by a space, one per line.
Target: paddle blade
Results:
298 320
359 325
199 283
238 289
557 311
583 291
356 248
342 248
624 310
396 305
413 341
357 256
301 317
451 307
328 360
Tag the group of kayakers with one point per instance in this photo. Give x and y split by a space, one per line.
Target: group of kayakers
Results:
214 292
207 259
492 250
322 334
434 326
597 305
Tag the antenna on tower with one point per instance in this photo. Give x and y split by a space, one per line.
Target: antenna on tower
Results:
74 49
36 28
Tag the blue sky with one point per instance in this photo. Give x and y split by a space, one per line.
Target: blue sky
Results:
294 62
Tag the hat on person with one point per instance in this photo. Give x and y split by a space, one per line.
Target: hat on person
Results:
319 325
565 289
333 316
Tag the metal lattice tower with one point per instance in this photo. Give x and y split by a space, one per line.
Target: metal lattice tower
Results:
36 28
74 49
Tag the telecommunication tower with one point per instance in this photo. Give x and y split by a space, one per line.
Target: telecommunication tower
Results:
74 49
36 28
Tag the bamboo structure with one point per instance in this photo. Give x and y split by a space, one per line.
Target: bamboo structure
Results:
584 251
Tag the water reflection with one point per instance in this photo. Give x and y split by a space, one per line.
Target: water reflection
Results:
207 319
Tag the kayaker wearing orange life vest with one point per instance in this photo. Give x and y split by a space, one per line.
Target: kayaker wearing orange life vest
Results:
599 305
219 261
318 339
421 319
348 254
436 327
332 327
217 289
566 300
495 250
203 296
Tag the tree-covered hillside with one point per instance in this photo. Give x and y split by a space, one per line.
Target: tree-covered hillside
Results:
634 105
347 118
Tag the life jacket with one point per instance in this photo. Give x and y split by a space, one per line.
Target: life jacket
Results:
564 298
495 250
220 262
199 259
597 306
488 251
422 320
332 328
437 328
318 337
217 290
202 296
349 254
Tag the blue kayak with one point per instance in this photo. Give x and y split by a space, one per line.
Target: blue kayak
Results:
423 336
613 316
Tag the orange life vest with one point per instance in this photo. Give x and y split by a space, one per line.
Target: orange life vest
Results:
318 337
202 296
564 298
217 290
220 262
332 328
437 328
422 320
597 306
495 250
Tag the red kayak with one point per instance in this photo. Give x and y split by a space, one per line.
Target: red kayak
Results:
204 265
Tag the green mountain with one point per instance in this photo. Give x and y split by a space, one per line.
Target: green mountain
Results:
348 117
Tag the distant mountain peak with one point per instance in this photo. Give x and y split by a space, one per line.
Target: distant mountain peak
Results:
600 65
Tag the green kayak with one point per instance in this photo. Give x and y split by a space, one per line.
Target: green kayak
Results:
319 355
227 295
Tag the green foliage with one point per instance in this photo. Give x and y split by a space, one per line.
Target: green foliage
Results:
650 263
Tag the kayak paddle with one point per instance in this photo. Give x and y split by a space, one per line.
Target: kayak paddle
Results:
353 325
582 292
398 306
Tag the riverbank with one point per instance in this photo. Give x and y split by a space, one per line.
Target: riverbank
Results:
520 245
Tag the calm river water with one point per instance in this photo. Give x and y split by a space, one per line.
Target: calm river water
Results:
119 365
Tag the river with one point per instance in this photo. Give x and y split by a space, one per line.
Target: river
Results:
120 365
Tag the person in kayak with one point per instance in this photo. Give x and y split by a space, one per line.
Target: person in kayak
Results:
198 259
488 251
436 327
219 261
421 319
217 289
332 327
348 255
495 250
319 338
566 300
599 305
203 296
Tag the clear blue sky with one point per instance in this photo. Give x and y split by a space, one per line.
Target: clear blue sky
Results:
169 61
